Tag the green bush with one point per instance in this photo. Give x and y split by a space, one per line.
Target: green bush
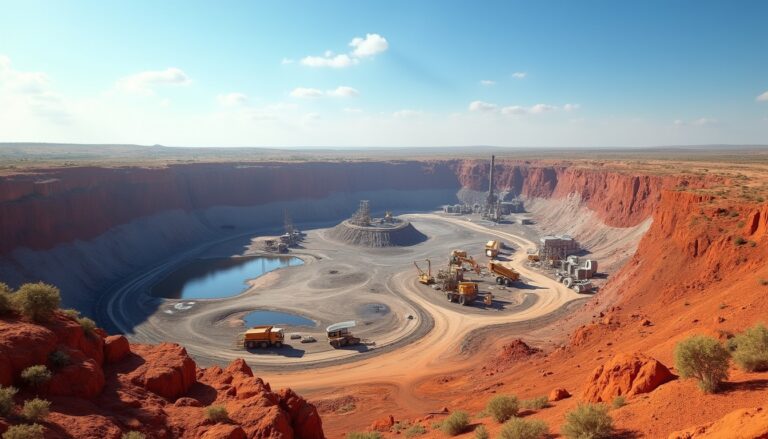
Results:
415 430
481 432
619 402
37 301
216 413
364 435
740 240
518 428
588 421
59 359
36 410
89 326
502 407
704 359
24 431
6 299
538 403
751 349
36 376
6 400
71 313
133 435
456 423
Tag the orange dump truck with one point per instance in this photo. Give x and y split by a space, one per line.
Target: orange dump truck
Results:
492 248
264 337
504 275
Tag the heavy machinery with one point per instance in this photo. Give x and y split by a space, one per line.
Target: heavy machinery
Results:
533 255
504 275
263 337
492 248
339 334
466 292
459 258
425 277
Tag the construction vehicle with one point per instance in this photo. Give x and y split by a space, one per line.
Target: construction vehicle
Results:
492 248
466 292
425 277
533 255
339 334
504 275
263 337
459 258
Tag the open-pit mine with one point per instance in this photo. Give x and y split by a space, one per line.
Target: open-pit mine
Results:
388 293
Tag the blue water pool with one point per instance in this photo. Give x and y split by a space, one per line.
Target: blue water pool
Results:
276 318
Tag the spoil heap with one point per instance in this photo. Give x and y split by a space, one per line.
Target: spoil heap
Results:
362 230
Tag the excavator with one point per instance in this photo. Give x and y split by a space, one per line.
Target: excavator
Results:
425 277
459 258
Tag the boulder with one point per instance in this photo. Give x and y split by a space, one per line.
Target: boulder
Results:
305 420
167 370
625 374
116 348
740 424
383 424
558 394
224 431
82 378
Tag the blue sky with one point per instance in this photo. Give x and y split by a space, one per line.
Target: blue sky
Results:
507 73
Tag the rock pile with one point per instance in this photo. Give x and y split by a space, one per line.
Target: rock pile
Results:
400 234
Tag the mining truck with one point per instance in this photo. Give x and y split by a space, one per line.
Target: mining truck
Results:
492 248
504 275
339 334
263 337
466 292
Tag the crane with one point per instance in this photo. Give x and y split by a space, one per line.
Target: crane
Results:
425 277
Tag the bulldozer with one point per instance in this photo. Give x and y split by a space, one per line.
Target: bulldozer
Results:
425 277
339 334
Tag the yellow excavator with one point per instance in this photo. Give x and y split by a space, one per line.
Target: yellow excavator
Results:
459 258
425 277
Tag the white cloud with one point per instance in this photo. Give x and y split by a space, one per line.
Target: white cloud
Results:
482 106
763 97
337 62
519 75
353 110
30 93
571 107
144 83
286 61
487 82
700 122
343 92
303 92
542 108
232 99
368 46
407 114
514 110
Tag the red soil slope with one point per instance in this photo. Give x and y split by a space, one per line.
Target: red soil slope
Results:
110 387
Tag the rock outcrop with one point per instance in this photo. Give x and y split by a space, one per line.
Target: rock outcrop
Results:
739 424
626 375
107 387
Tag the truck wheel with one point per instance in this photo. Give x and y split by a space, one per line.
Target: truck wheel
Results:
462 301
449 296
278 344
509 282
499 280
249 345
568 281
263 345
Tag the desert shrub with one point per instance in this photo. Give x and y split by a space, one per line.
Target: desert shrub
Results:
519 428
6 400
704 359
364 435
751 349
502 407
481 432
87 324
37 301
36 376
6 301
763 282
216 413
71 313
538 403
133 435
399 426
58 359
24 431
619 402
590 421
415 430
740 240
36 410
456 423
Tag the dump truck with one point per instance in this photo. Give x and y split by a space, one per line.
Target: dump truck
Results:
425 277
533 255
339 334
467 292
263 337
504 275
492 248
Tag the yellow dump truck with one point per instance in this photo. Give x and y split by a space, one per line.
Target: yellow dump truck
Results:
264 337
504 275
466 293
492 248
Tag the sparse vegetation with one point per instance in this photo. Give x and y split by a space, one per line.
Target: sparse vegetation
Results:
481 432
216 413
364 435
704 359
6 301
502 407
36 410
619 402
537 403
739 240
24 431
764 282
36 376
519 428
58 359
89 326
588 421
456 423
400 426
751 349
71 313
37 301
133 435
415 430
6 400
